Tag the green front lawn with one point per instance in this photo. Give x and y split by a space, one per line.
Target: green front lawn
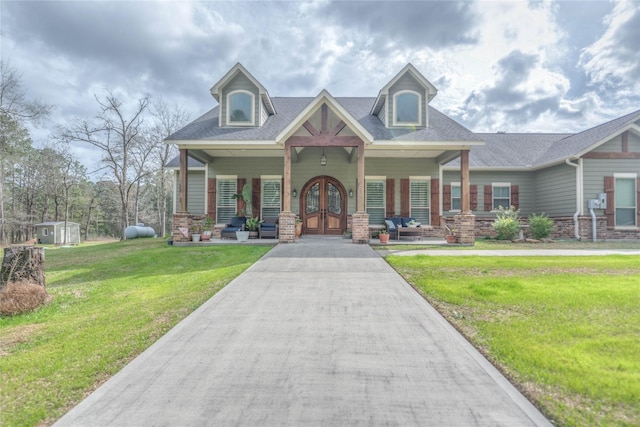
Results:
110 302
565 329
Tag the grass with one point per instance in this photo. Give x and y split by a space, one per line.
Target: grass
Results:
491 244
566 330
110 302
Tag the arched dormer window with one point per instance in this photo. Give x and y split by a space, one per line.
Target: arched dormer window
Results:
407 107
240 108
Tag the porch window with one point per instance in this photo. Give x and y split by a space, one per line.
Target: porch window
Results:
625 201
271 197
420 199
225 204
240 108
456 199
501 195
407 108
375 199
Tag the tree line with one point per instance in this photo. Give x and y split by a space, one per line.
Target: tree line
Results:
40 184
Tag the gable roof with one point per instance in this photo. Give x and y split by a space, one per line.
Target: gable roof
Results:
239 68
537 150
407 69
54 223
206 129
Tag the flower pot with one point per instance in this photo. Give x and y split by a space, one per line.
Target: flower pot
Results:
242 236
206 236
298 229
253 234
195 237
384 238
451 238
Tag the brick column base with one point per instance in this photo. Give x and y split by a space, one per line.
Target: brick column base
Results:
360 227
464 224
287 227
181 220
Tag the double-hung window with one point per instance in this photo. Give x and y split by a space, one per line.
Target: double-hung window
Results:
225 203
375 199
501 195
456 198
271 197
625 200
420 198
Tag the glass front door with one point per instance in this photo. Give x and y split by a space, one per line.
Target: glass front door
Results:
323 206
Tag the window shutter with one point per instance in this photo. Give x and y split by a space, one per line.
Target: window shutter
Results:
391 198
255 197
488 198
240 204
405 195
609 212
435 202
446 197
211 199
515 196
473 197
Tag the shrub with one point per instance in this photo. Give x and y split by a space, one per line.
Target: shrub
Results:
540 226
21 297
507 223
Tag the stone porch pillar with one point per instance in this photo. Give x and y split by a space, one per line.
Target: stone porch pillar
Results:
360 219
287 219
180 229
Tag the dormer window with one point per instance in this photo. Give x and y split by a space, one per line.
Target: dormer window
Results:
240 108
407 107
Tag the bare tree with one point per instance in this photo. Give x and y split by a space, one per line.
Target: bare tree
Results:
15 109
168 121
117 136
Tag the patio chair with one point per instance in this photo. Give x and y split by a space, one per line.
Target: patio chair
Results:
269 227
237 224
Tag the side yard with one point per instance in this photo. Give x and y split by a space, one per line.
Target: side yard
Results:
566 330
110 302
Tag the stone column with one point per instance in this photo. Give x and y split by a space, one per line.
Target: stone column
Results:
181 224
360 227
464 224
287 227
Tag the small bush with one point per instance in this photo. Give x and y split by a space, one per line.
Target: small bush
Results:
507 223
540 226
21 297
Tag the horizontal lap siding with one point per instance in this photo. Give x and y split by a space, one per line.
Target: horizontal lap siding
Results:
399 169
196 195
634 143
524 181
596 169
556 190
614 144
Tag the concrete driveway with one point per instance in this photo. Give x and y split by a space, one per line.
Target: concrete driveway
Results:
317 333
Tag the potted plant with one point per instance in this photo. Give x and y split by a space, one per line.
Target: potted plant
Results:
207 228
451 235
298 227
195 233
242 236
252 225
383 235
347 234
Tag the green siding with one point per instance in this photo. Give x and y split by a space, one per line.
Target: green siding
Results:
239 82
406 82
524 181
614 144
197 193
556 190
596 169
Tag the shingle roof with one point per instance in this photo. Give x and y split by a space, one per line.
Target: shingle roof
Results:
520 150
206 127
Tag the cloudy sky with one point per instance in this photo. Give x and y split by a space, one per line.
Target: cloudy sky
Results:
554 66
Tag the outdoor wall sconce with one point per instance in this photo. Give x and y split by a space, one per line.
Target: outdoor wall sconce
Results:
295 193
323 159
350 193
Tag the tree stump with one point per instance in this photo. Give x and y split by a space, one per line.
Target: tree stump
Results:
22 263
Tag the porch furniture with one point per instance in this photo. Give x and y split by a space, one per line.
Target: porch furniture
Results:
409 231
400 226
237 224
269 228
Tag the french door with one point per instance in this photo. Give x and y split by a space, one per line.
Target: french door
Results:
323 206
